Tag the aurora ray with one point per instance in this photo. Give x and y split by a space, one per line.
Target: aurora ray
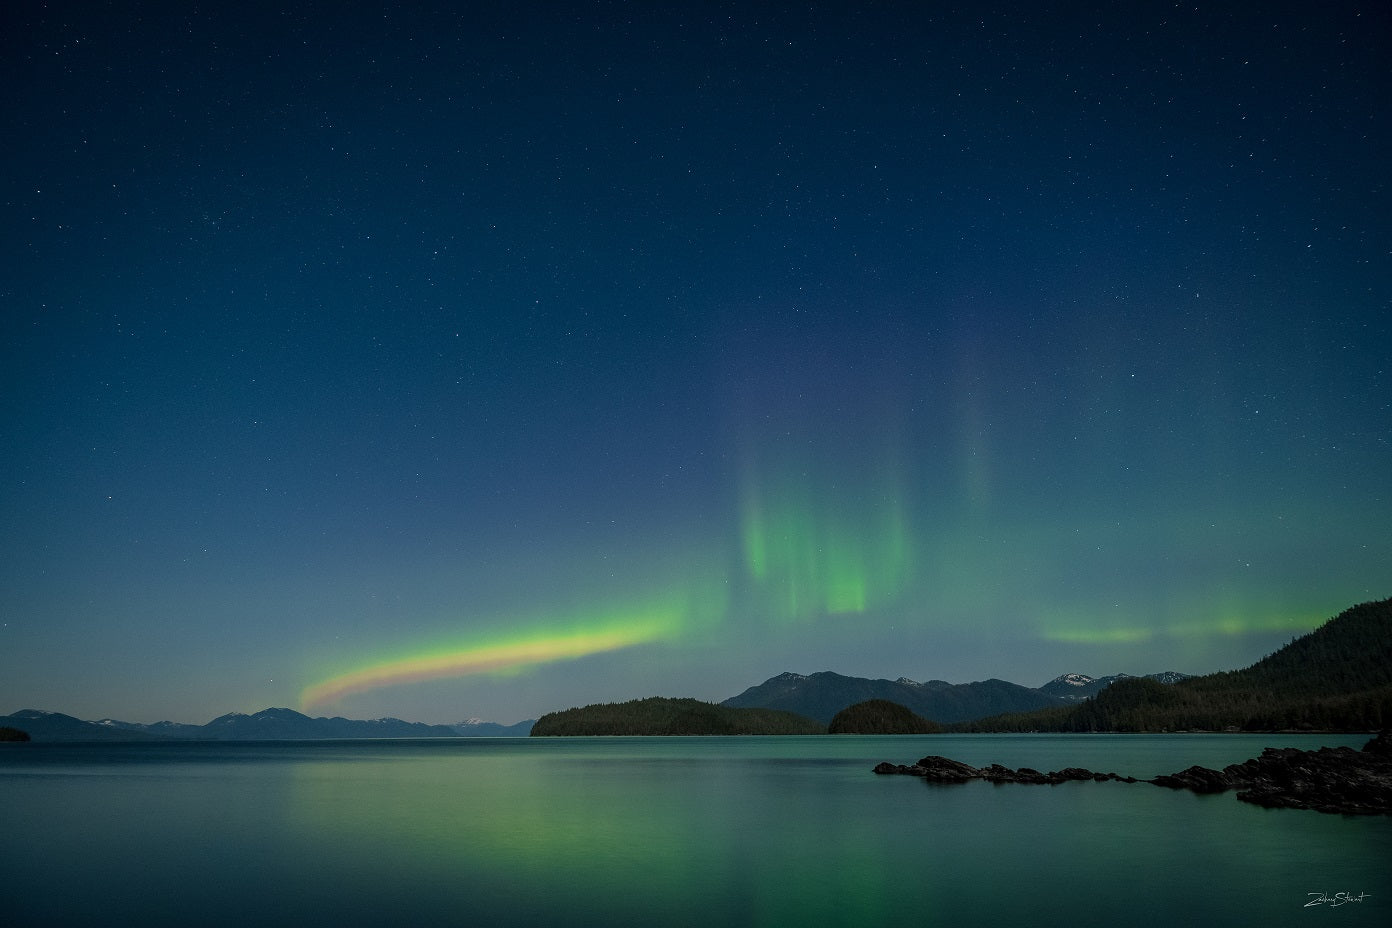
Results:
501 657
820 549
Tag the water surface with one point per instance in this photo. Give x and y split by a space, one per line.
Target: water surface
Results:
662 831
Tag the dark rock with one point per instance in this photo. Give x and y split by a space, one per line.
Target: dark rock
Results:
945 770
1076 773
1328 780
912 770
1198 779
998 774
1030 775
1336 780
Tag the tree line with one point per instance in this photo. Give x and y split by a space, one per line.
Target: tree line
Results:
662 716
1338 677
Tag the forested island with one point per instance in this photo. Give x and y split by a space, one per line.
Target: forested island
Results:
12 734
880 717
661 716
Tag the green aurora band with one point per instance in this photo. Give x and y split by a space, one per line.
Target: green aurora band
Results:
811 549
811 546
592 632
1227 620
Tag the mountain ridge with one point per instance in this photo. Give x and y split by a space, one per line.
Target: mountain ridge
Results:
823 694
1336 678
830 693
1076 687
271 724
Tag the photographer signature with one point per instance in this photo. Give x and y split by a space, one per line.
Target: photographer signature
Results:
1334 900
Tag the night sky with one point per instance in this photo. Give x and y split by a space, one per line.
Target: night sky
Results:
372 360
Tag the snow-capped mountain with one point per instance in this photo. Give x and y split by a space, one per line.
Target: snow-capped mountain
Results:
1076 687
1169 676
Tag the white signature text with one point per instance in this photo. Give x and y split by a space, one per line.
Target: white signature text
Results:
1334 900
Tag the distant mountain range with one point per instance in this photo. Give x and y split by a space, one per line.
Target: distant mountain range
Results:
817 696
1075 687
266 725
55 726
477 728
1338 677
822 695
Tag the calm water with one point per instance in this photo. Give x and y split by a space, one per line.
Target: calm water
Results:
662 831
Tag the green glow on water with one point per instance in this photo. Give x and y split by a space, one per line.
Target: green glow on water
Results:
748 832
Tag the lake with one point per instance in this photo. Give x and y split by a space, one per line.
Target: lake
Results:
663 831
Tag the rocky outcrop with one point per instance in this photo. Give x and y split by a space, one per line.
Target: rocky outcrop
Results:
934 769
938 769
1339 780
1336 780
1196 779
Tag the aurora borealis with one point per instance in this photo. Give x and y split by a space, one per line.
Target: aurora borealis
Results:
497 658
438 363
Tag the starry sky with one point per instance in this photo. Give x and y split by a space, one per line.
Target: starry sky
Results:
475 360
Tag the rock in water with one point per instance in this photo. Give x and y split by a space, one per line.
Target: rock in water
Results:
946 770
1328 780
938 769
1336 780
1197 779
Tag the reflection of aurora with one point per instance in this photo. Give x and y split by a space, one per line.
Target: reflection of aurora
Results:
601 830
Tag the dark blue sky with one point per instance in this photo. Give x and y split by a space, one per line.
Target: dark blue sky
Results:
489 362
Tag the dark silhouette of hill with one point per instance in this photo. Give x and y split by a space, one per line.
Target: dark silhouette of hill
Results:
289 725
822 695
1338 677
880 717
55 726
661 716
266 725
